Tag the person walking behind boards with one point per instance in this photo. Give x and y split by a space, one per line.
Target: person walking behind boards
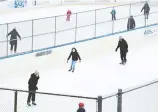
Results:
13 39
81 107
68 15
32 87
122 44
146 9
75 56
131 23
113 13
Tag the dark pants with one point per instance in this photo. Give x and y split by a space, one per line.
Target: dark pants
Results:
123 56
146 15
13 45
31 95
113 17
130 28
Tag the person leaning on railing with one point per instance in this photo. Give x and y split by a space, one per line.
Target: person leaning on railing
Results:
131 23
33 87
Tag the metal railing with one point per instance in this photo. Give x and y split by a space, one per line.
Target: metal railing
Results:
16 101
45 33
141 98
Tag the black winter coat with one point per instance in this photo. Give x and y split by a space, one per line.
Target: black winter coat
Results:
81 110
146 9
123 46
131 23
13 38
75 56
33 82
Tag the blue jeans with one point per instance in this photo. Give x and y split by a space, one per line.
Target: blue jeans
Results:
73 65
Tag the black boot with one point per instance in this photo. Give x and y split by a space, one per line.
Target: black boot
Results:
33 103
70 70
121 62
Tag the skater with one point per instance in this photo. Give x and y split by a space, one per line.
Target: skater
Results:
146 9
13 39
122 44
32 87
75 56
68 15
131 23
113 13
81 107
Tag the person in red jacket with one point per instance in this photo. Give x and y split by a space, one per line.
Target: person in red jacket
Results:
68 15
81 107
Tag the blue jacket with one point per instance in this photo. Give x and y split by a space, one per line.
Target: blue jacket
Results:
113 12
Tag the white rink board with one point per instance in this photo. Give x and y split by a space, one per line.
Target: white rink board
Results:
106 78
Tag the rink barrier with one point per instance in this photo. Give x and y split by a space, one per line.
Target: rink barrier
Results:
132 89
100 100
75 28
37 7
18 90
48 48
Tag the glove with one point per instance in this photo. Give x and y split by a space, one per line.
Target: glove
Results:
116 50
36 88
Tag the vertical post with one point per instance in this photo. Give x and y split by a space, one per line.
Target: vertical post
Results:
7 38
129 16
95 32
100 103
35 2
113 25
96 105
32 34
145 19
15 101
119 101
76 28
55 32
130 10
61 2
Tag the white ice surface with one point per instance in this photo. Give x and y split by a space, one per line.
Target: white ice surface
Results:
98 76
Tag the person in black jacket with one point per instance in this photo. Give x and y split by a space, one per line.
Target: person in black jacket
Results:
13 39
122 44
81 108
75 56
131 23
146 9
33 87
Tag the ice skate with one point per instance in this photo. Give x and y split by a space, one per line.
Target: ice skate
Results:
121 63
33 103
69 70
125 62
72 70
28 103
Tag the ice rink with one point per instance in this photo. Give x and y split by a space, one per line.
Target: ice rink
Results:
99 72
